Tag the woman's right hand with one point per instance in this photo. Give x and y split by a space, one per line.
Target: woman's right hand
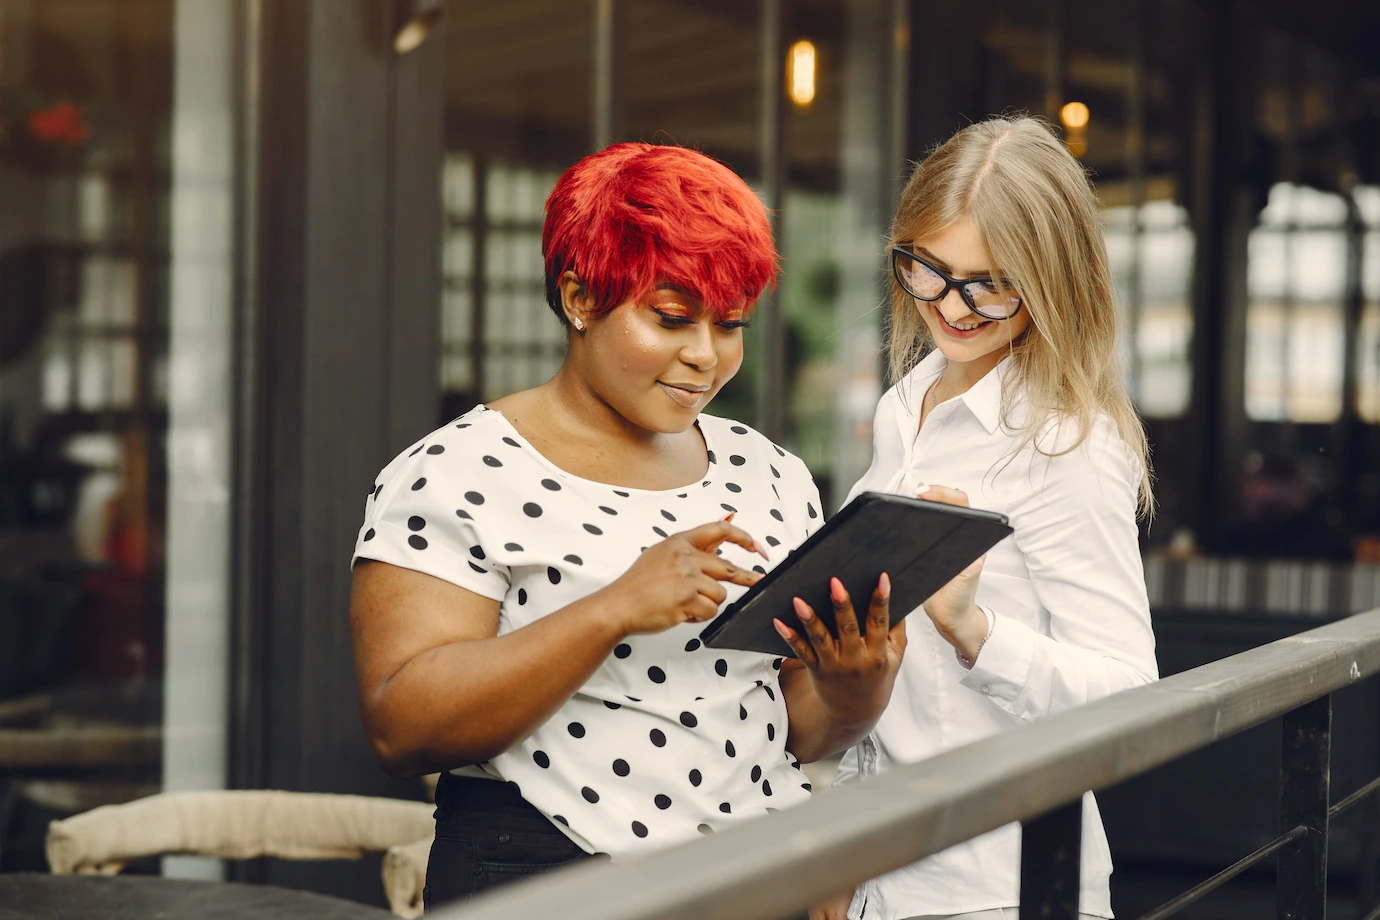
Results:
679 579
832 909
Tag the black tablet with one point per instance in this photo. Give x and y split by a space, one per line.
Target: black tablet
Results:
921 545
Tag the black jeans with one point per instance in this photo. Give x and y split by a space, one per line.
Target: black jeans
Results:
488 835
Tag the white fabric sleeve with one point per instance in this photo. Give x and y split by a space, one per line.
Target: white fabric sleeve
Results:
1077 531
417 519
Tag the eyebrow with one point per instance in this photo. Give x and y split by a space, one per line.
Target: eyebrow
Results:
940 263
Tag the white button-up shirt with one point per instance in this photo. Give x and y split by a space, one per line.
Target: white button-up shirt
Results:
1072 620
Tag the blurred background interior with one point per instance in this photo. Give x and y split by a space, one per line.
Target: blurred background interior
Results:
250 249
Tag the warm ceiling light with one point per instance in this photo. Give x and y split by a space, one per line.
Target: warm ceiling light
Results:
1074 115
800 68
416 19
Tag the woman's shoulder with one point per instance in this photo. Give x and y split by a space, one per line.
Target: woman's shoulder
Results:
726 435
477 439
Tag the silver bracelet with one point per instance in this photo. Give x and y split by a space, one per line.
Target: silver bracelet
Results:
991 628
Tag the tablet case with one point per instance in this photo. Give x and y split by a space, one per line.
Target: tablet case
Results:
921 545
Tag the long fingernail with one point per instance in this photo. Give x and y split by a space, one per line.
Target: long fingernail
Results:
781 629
884 586
728 517
802 610
921 490
836 590
761 550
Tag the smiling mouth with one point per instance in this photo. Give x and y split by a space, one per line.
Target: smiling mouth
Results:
962 327
687 396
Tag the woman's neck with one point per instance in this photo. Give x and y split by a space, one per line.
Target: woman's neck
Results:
958 377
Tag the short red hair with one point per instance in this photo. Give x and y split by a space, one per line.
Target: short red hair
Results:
636 215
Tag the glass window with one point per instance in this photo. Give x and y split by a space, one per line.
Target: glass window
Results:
1295 334
1368 342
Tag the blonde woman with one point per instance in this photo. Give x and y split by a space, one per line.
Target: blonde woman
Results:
1001 283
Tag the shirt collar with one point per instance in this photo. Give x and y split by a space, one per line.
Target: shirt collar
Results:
983 398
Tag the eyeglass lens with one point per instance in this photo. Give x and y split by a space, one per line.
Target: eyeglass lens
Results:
921 281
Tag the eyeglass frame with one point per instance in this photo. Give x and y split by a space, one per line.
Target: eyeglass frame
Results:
950 283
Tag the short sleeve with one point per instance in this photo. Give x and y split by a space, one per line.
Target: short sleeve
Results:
425 514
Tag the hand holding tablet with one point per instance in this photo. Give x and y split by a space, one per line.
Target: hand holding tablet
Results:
921 545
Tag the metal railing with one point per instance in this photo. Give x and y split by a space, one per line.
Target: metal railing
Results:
1036 774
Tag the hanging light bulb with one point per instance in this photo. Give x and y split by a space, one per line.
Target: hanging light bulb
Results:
1074 116
800 72
416 19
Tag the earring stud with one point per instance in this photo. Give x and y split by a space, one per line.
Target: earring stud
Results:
579 324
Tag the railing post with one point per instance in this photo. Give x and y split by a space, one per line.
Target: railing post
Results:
1301 885
1051 846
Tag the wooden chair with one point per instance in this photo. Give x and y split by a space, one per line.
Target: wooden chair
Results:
249 824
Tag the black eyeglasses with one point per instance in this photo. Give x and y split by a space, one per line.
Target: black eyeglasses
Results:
925 281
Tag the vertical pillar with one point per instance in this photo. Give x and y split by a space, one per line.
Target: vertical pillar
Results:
772 169
606 88
1051 850
1301 883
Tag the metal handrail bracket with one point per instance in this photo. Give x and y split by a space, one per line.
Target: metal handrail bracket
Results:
770 868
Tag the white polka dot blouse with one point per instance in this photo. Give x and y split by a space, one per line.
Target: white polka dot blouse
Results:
668 739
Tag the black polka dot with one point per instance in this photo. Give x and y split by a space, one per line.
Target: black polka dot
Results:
737 460
742 712
513 547
607 510
474 498
775 492
663 802
771 732
695 778
656 675
416 523
560 818
726 808
612 705
492 461
688 719
769 693
721 668
807 787
510 442
590 795
435 449
377 489
668 515
622 651
368 535
774 473
463 514
553 575
733 487
622 494
594 530
683 495
759 570
729 508
477 552
772 541
417 451
416 541
658 737
576 730
522 596
532 510
480 569
809 506
712 458
729 749
776 664
635 699
766 787
659 532
738 429
551 485
639 829
463 425
692 645
705 829
542 760
756 773
574 559
419 484
777 514
779 451
620 766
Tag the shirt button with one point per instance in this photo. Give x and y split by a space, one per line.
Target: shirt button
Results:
503 838
986 690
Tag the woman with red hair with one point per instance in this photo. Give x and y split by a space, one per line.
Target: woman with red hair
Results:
529 578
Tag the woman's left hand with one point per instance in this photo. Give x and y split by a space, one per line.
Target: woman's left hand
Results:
851 675
953 608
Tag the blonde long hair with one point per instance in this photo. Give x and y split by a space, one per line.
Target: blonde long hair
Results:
1032 207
